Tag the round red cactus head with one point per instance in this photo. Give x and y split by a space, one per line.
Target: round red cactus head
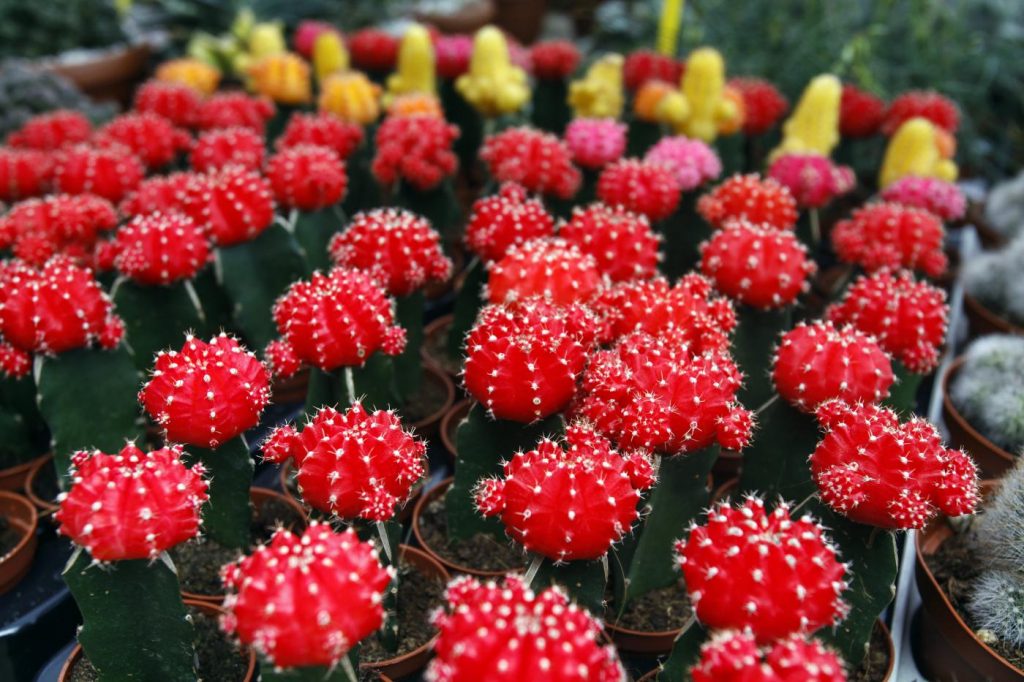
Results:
595 142
756 265
175 102
323 130
748 197
453 53
235 109
523 360
651 189
553 269
818 362
24 173
338 319
399 248
507 632
538 161
692 161
232 205
880 472
416 150
223 147
307 177
732 656
206 393
939 197
860 112
887 235
763 104
306 33
504 220
776 575
52 131
688 312
132 505
653 393
111 172
373 50
281 359
160 248
646 65
56 308
940 110
554 59
152 138
812 179
568 503
158 194
623 243
306 600
907 318
353 464
69 225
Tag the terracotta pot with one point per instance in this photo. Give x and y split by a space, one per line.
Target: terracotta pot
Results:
285 478
432 331
649 643
21 515
428 426
111 75
205 607
945 648
450 424
982 321
417 513
649 676
407 664
292 389
990 237
992 460
13 478
259 497
39 468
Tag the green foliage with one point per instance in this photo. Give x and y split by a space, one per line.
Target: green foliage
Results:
40 29
757 333
775 463
227 515
156 317
313 231
583 581
26 90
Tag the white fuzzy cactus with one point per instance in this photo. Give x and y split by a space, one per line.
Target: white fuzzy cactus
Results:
988 390
997 605
1004 208
994 279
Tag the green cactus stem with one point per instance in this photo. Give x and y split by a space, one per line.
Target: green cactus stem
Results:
438 205
583 581
409 365
214 301
467 305
23 432
775 464
685 653
313 231
903 393
682 233
227 516
344 671
156 317
641 136
87 397
324 390
363 191
550 105
757 334
389 533
461 113
135 626
373 383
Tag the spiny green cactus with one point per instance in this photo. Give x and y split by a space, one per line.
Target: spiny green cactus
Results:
1004 207
997 605
988 389
997 536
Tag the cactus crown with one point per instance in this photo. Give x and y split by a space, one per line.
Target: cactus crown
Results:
306 600
60 224
623 243
159 249
763 104
507 632
307 177
993 278
222 147
416 150
749 197
813 179
750 568
554 59
160 193
693 161
235 109
988 389
939 197
321 129
24 173
651 189
733 656
52 131
538 161
233 205
175 102
111 172
860 112
941 111
554 269
132 505
888 235
152 138
641 66
504 220
595 142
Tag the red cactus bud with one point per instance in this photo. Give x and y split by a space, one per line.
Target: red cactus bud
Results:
747 568
732 656
642 187
763 104
24 173
523 360
554 59
880 472
177 103
338 319
52 131
38 229
416 150
646 65
56 308
111 172
307 177
939 197
757 265
160 248
570 503
235 109
621 242
453 53
538 161
323 130
817 362
890 235
907 318
153 139
158 194
206 393
748 197
504 220
373 50
281 359
132 505
233 205
353 464
813 180
507 632
688 312
223 147
595 142
14 362
860 112
306 600
652 393
399 248
551 268
938 109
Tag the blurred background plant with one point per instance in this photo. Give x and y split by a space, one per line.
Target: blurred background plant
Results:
40 29
26 91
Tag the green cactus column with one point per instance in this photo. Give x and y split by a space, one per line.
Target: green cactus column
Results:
550 105
757 334
583 581
313 231
156 317
903 393
227 516
344 671
467 305
682 233
408 365
438 205
775 464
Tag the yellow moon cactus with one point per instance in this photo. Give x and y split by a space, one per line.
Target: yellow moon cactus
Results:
704 87
329 55
351 96
265 39
918 148
599 93
415 71
194 73
813 127
493 85
283 78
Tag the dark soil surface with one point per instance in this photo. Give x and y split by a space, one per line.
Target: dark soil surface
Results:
436 348
418 596
656 611
481 552
876 663
430 398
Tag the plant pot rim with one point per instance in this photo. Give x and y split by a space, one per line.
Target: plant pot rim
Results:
432 329
975 307
33 523
432 370
211 609
462 408
46 507
961 421
24 468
